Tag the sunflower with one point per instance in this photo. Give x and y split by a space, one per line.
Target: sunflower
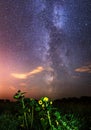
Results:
45 99
40 102
43 105
51 102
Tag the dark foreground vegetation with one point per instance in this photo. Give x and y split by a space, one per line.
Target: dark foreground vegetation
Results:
30 114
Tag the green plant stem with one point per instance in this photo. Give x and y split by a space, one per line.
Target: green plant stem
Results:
32 116
22 100
25 118
50 123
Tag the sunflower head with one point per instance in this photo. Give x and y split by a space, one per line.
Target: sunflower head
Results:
40 102
43 105
50 102
45 99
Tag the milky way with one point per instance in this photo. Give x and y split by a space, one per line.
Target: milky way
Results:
46 45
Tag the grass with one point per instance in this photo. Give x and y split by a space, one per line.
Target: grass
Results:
8 122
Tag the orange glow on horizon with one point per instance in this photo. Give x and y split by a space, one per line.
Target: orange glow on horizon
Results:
9 86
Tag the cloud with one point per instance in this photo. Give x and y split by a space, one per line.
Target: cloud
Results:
37 70
19 76
25 75
85 69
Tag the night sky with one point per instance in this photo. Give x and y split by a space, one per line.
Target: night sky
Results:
45 48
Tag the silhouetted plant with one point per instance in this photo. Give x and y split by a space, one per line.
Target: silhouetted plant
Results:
43 114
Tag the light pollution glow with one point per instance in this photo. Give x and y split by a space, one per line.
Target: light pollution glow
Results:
11 82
